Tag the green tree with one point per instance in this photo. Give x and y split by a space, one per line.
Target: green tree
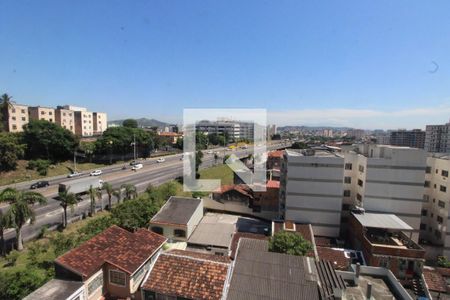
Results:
136 213
66 199
118 194
131 123
11 149
201 141
198 161
92 194
4 224
107 187
95 226
99 194
443 262
130 191
289 243
48 140
18 284
5 104
19 211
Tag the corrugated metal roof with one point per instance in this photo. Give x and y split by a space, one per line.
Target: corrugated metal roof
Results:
384 221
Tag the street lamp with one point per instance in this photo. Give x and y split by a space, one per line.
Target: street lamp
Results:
110 151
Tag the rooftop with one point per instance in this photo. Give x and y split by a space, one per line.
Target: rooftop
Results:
189 275
276 153
434 280
55 289
214 230
337 257
117 246
177 210
313 153
384 221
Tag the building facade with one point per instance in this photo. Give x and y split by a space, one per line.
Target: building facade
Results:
408 138
65 118
15 117
100 122
235 130
437 138
42 113
84 123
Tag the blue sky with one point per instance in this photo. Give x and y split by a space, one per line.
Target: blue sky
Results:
368 64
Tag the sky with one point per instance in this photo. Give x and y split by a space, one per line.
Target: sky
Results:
364 64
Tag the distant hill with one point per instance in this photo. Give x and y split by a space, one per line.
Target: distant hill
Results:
143 122
290 128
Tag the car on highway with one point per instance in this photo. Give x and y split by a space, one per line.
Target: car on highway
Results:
39 184
137 167
74 174
96 173
160 160
135 162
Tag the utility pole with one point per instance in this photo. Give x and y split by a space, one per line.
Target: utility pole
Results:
134 143
75 161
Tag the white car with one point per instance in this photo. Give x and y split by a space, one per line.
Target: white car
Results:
160 160
209 152
96 173
137 167
74 174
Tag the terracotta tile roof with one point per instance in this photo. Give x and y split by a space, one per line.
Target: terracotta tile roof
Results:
434 280
335 256
240 188
170 134
277 153
273 184
114 245
239 235
188 274
444 271
323 241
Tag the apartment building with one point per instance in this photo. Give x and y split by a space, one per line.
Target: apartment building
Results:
100 122
234 129
311 189
65 118
84 123
386 179
408 138
435 213
15 118
437 138
42 113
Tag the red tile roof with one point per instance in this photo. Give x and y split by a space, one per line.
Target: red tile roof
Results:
240 188
117 246
434 280
335 256
444 271
170 134
276 153
273 184
188 274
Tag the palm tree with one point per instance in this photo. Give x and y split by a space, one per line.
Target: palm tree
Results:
109 191
20 210
92 194
3 225
129 190
99 194
5 104
66 199
118 194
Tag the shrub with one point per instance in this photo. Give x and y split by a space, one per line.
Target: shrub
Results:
12 257
40 165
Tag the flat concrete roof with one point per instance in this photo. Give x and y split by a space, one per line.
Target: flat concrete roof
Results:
214 230
177 210
384 221
55 289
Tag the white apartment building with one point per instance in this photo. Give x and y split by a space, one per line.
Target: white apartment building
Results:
386 179
17 116
84 123
311 190
100 122
65 118
437 138
42 113
435 214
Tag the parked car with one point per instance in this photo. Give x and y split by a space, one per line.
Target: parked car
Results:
160 160
137 167
39 184
96 173
74 174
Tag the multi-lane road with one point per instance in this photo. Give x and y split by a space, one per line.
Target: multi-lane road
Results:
153 173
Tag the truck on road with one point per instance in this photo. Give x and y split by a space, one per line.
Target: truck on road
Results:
81 185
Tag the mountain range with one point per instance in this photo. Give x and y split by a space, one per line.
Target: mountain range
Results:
142 122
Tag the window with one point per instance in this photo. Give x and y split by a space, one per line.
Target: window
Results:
345 206
50 113
424 212
157 229
384 262
179 233
95 284
13 110
361 168
443 188
428 170
117 277
423 226
348 166
437 171
426 184
13 118
360 182
439 219
23 111
23 119
347 179
14 127
441 204
347 193
444 173
42 112
359 197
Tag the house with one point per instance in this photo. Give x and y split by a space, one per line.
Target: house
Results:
267 200
178 218
111 264
240 193
172 137
179 274
274 164
383 241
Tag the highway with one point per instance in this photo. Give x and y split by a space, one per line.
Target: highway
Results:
153 173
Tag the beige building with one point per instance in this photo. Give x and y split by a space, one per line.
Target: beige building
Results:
100 122
84 123
65 118
42 113
16 117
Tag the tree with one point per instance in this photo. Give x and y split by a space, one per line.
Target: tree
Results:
11 149
4 224
109 191
289 243
92 194
135 213
443 262
131 123
20 211
66 199
129 191
99 194
299 145
201 141
198 161
48 140
118 194
5 104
